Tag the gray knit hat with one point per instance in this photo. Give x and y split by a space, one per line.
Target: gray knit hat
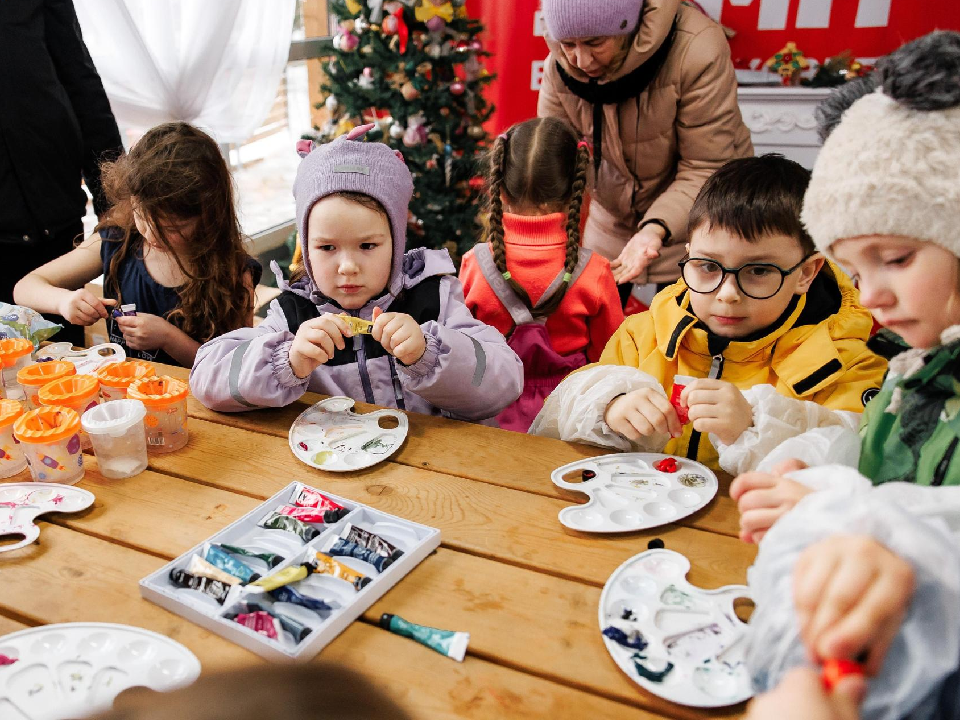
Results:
891 166
591 18
348 164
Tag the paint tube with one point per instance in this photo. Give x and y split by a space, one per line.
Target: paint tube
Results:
261 622
371 541
312 515
220 558
446 642
201 568
289 595
326 565
344 548
304 496
271 559
284 577
276 521
358 326
297 629
125 310
214 588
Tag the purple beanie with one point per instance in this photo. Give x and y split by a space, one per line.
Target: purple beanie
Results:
348 164
568 19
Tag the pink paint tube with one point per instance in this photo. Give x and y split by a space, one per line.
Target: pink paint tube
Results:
312 515
679 383
309 498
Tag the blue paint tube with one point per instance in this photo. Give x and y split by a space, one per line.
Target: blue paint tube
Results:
288 595
220 558
446 642
339 546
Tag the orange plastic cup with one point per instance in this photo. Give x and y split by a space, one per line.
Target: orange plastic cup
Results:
165 398
12 459
77 392
115 378
15 353
50 439
33 377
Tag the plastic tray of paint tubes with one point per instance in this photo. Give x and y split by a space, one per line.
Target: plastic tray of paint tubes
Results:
288 577
672 638
633 491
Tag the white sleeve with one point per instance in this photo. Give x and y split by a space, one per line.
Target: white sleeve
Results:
575 410
786 428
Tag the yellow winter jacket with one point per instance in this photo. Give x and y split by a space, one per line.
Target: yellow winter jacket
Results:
817 351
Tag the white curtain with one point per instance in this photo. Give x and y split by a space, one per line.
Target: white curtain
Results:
213 63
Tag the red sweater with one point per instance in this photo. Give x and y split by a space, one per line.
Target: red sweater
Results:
536 249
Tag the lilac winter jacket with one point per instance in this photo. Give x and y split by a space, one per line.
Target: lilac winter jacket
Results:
467 371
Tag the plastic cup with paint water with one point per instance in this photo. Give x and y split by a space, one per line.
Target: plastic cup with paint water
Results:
12 460
165 398
115 378
33 377
119 441
679 383
15 354
77 392
50 440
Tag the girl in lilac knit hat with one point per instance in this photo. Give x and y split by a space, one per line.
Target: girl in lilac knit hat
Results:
365 319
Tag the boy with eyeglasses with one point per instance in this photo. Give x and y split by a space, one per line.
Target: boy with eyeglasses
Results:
758 318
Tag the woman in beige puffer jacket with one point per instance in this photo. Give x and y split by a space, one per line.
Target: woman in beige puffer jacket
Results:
652 84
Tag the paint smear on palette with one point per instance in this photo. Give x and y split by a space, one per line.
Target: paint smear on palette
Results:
323 457
652 669
692 480
378 445
697 645
675 597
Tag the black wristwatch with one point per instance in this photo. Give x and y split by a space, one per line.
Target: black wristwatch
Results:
661 223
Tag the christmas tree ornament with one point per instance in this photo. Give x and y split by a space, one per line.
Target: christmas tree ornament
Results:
365 80
436 24
353 7
472 68
390 25
426 11
475 132
435 50
362 25
457 88
346 42
331 104
409 92
788 63
347 26
476 45
344 126
445 112
425 70
397 131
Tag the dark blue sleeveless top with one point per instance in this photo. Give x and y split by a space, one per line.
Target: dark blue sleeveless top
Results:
139 288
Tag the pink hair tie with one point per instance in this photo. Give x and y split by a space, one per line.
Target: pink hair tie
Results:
583 144
502 136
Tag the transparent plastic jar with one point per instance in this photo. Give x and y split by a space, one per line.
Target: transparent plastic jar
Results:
12 460
50 440
15 354
165 398
115 378
77 392
116 430
35 376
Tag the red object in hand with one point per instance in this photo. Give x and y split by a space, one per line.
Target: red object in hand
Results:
835 670
679 383
667 465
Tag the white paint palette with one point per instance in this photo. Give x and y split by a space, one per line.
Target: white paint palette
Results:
628 493
688 643
331 436
86 361
74 669
21 503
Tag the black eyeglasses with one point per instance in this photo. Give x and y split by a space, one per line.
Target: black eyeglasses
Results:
755 280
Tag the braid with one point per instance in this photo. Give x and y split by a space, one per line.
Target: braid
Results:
495 234
573 229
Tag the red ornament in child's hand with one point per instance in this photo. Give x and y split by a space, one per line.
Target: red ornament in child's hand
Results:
667 465
835 670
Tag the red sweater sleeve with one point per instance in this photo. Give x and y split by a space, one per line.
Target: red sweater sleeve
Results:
609 313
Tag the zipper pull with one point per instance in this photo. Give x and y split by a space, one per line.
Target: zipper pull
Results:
716 367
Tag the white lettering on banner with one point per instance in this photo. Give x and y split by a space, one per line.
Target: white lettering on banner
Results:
536 75
539 24
873 13
811 13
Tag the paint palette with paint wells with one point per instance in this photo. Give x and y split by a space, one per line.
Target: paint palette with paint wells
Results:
21 503
332 436
86 361
70 670
673 639
633 491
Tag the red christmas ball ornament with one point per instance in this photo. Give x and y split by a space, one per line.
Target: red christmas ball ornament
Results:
477 183
390 25
457 88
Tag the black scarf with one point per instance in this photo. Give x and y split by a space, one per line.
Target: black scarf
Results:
629 86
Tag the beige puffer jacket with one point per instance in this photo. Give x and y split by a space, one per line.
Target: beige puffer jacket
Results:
659 149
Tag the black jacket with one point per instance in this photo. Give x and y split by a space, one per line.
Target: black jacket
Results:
55 120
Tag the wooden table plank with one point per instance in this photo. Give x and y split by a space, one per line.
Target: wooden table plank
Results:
490 455
88 579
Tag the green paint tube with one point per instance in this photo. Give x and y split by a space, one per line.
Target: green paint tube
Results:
271 559
446 642
276 521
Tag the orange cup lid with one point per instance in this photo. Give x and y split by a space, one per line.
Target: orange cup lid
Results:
12 349
47 424
44 372
69 389
10 410
121 374
157 391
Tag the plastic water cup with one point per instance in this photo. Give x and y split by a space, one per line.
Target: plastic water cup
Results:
115 378
165 398
50 440
679 383
77 392
35 376
116 430
15 354
12 460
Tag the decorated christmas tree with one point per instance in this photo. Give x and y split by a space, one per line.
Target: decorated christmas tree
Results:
414 69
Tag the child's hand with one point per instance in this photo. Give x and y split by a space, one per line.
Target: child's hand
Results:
82 307
801 696
642 413
400 335
144 331
763 498
316 342
717 407
851 595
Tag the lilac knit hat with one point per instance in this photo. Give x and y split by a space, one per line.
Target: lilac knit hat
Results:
348 164
591 18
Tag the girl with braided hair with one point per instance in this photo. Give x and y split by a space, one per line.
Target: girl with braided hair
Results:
531 280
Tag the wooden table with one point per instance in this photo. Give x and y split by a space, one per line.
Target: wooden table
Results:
525 587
